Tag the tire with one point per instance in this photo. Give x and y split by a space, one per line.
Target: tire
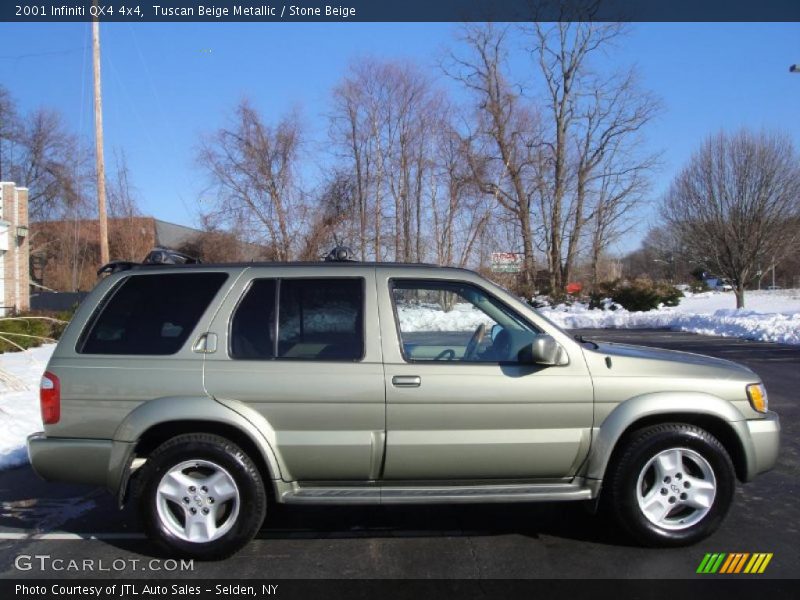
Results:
201 497
672 485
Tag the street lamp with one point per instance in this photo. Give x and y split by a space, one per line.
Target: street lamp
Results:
794 69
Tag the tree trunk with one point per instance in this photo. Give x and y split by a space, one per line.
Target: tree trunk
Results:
529 269
739 291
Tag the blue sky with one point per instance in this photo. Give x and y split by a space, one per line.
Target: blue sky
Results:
166 84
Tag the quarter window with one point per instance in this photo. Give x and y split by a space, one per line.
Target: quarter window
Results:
151 314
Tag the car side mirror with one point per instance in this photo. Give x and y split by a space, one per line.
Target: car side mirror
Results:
496 328
545 350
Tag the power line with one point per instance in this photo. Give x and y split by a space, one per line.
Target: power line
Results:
39 54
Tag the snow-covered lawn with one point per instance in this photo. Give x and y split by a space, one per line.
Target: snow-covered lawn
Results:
769 316
20 373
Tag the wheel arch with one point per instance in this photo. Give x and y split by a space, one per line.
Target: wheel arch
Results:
717 416
158 420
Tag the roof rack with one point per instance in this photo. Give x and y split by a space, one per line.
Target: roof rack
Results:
156 256
340 254
165 256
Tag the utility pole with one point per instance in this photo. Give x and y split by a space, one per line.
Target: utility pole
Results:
773 272
98 139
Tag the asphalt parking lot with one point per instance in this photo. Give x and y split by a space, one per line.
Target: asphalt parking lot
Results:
481 541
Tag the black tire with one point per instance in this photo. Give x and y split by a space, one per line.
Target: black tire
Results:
621 495
222 452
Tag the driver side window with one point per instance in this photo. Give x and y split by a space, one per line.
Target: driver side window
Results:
457 322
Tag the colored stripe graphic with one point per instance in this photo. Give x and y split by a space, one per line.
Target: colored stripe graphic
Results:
758 563
733 563
711 563
741 562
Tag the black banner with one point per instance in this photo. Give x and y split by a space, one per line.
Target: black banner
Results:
176 11
739 588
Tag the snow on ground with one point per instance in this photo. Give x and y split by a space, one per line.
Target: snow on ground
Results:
20 373
769 316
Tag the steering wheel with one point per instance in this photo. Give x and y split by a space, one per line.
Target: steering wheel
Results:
475 341
448 354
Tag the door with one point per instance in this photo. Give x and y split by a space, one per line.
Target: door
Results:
463 403
292 345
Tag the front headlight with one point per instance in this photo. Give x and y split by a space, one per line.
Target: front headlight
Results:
757 394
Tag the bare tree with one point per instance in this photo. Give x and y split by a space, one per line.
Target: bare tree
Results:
128 239
383 124
217 245
588 117
255 169
50 162
509 132
734 202
460 210
350 132
331 223
9 130
619 185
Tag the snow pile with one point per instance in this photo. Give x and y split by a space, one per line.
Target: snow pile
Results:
431 317
20 373
771 316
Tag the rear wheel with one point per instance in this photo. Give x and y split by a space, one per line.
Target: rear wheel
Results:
672 485
202 496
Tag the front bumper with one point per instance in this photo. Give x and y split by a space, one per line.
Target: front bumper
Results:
765 437
71 460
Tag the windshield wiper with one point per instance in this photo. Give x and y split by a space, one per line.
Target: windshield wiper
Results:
583 340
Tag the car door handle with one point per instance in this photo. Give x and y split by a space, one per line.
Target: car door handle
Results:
406 381
205 344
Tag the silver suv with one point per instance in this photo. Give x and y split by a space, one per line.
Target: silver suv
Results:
209 392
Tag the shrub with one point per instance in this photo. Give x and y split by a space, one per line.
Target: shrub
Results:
29 331
638 295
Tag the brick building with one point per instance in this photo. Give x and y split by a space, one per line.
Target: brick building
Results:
14 249
65 254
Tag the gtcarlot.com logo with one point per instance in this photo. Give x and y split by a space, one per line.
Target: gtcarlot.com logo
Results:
734 563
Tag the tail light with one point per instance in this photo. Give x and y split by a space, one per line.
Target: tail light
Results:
50 398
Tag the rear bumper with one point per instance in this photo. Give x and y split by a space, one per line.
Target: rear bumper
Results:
765 438
93 462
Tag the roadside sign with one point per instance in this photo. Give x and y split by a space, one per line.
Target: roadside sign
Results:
507 262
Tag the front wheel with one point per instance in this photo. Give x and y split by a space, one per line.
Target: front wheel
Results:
202 496
672 485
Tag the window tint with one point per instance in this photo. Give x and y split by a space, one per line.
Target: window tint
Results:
254 322
321 319
151 314
458 322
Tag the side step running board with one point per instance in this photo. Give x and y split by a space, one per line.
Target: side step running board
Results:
436 495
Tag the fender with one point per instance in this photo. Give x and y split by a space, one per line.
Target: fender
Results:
172 408
607 435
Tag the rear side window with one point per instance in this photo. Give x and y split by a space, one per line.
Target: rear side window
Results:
321 319
151 314
317 319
